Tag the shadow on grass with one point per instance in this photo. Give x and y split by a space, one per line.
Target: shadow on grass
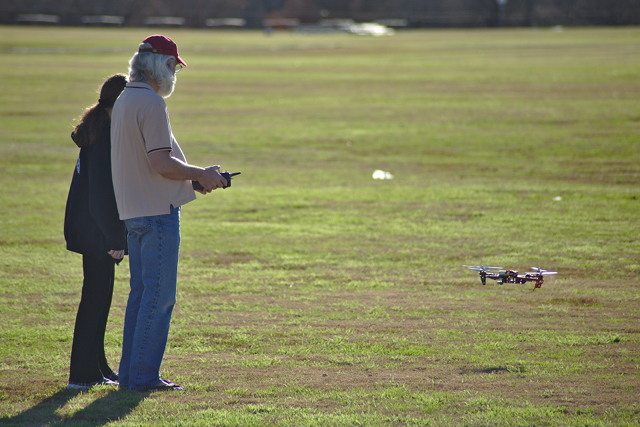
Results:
111 407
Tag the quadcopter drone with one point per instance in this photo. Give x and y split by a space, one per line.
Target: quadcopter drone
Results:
510 276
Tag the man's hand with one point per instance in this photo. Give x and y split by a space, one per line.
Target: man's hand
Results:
211 179
169 167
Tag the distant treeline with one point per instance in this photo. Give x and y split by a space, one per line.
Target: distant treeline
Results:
253 13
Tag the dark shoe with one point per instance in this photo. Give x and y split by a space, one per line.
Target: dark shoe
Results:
164 385
87 386
112 375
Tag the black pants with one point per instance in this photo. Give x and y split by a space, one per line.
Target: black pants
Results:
88 361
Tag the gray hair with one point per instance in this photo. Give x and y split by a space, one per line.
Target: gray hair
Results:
148 65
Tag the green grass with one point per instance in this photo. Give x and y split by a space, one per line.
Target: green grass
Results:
311 294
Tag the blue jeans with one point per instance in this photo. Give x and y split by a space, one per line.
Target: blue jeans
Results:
154 243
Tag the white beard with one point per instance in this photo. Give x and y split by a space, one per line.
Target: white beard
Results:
166 86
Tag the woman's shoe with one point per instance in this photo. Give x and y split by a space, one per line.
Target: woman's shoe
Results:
113 376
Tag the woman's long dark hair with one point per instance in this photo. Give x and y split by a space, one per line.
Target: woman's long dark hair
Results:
96 117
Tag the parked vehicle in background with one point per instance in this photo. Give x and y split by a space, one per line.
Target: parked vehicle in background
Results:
369 29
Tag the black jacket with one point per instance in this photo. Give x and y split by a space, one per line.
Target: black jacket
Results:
91 222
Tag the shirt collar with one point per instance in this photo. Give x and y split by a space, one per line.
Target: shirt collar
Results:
139 85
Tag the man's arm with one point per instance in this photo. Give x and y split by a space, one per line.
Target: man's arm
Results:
169 167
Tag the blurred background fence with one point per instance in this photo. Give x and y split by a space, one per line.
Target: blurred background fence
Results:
293 13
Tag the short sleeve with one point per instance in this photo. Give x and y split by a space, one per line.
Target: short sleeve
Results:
155 127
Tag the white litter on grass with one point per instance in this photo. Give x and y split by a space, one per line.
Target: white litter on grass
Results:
379 174
557 198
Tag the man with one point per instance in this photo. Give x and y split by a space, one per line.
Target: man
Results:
151 180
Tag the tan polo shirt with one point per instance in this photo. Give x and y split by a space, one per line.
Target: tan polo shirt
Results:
139 126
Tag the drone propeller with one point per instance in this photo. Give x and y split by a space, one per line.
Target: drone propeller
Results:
481 268
537 270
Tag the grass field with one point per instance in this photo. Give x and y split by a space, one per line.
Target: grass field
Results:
311 294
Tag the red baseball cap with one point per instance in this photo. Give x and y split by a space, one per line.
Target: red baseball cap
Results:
162 45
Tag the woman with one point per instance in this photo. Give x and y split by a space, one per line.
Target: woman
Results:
93 229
